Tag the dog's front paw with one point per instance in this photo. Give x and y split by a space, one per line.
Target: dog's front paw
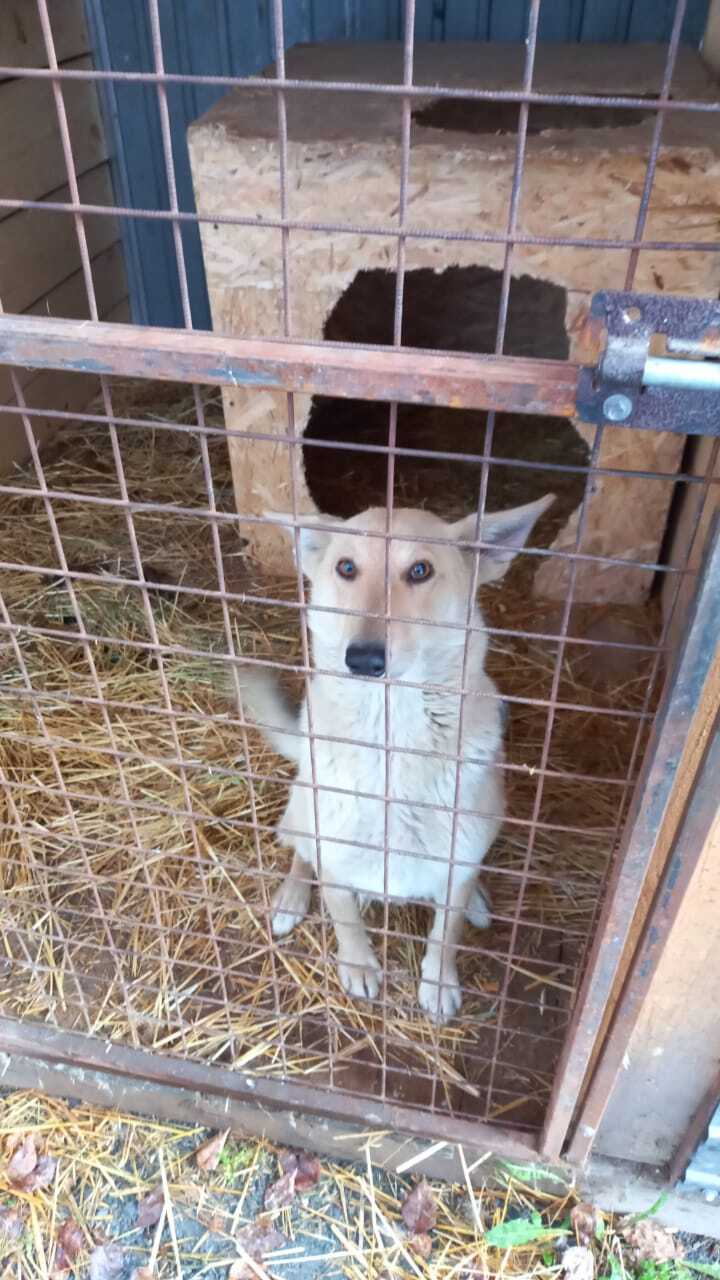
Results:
440 1000
477 911
360 976
289 906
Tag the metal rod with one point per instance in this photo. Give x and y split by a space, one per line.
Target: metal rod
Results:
686 375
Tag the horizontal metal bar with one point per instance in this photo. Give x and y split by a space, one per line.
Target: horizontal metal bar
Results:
382 230
504 383
91 1053
386 89
689 375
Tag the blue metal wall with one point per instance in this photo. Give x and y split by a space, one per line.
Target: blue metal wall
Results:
234 37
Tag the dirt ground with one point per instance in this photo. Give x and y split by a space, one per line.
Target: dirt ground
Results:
91 1193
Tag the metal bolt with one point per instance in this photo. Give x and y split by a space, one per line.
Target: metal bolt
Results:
617 408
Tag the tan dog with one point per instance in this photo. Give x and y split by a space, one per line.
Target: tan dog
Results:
433 857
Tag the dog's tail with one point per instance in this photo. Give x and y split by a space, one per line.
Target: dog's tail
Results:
267 705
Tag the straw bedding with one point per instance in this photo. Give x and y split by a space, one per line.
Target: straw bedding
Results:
123 918
133 1186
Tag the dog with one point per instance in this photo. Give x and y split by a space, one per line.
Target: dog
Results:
374 682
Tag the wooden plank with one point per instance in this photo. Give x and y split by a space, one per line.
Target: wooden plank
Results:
31 156
670 1002
696 509
711 38
21 38
64 392
38 250
69 300
674 757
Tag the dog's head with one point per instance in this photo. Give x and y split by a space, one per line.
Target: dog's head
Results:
430 566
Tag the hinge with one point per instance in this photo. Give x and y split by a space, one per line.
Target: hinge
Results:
660 364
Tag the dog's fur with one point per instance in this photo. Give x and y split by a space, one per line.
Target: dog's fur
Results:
433 858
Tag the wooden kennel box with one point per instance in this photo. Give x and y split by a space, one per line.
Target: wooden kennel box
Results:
583 179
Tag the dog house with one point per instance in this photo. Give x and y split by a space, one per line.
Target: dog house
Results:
584 171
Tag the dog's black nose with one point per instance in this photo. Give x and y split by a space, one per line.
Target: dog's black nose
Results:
366 659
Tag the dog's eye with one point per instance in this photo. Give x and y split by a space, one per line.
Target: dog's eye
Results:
346 569
420 571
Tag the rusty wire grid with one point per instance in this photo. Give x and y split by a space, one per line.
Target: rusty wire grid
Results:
141 805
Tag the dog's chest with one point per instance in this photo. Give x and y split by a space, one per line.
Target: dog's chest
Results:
417 774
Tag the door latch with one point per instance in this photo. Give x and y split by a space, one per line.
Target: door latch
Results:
660 364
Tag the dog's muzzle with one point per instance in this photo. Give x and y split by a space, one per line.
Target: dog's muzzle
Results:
365 659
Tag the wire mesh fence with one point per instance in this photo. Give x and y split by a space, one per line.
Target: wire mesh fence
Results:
145 827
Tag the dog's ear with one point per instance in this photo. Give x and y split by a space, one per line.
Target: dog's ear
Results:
506 532
313 540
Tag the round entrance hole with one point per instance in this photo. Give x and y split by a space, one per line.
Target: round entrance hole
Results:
451 310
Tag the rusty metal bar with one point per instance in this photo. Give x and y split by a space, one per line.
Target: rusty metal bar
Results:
698 656
510 384
393 90
384 231
95 1054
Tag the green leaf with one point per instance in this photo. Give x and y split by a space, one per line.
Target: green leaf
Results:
600 1229
616 1271
533 1173
548 1258
520 1231
654 1208
711 1269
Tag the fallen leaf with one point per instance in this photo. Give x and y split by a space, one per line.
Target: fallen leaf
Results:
208 1155
419 1209
23 1161
107 1262
257 1239
27 1170
70 1244
41 1176
306 1168
11 1226
192 1194
150 1208
421 1245
586 1222
578 1263
281 1193
648 1241
142 1273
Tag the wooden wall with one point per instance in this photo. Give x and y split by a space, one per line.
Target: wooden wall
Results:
40 268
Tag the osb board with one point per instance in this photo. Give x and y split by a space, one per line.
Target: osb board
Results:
593 195
21 38
31 155
604 69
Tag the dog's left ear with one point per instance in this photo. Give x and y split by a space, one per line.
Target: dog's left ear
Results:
506 532
313 539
